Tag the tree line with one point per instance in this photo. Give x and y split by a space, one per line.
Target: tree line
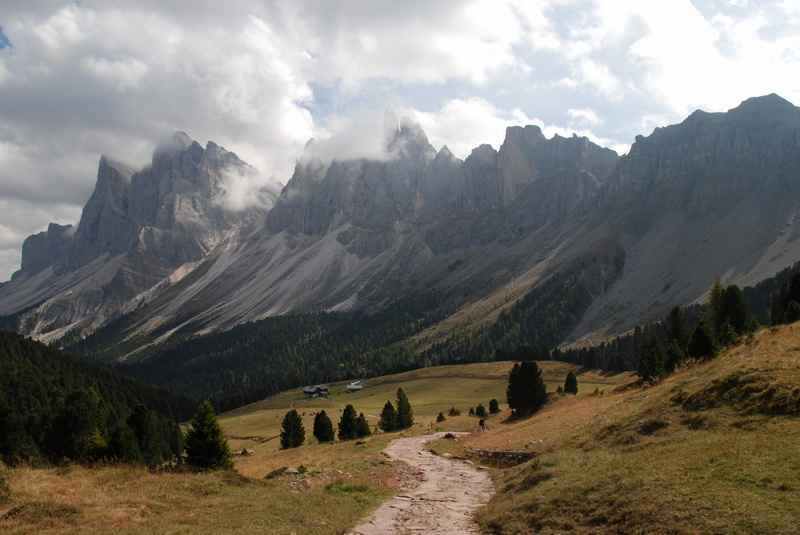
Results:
54 407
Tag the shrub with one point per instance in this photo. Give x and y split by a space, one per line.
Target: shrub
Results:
494 406
454 412
480 411
440 418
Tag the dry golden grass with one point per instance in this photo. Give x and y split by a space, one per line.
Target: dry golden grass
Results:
646 461
342 483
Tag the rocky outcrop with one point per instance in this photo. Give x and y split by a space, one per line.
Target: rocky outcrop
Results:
136 229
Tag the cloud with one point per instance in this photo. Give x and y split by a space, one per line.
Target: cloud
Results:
261 77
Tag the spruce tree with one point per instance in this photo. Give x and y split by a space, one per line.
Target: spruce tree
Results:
348 423
674 356
702 343
737 313
405 414
388 422
123 446
792 312
362 426
480 411
571 384
145 426
494 406
676 323
323 427
206 447
716 307
651 360
526 391
293 434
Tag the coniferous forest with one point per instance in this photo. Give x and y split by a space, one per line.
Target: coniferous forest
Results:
54 407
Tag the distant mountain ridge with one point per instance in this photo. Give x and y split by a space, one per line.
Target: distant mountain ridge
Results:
628 237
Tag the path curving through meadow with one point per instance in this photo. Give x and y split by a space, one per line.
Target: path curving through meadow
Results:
443 502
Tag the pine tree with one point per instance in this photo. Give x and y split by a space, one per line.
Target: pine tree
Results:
145 426
362 426
494 406
651 361
480 411
123 445
405 414
75 433
716 307
440 418
676 323
471 411
388 422
792 312
454 412
323 427
293 434
571 384
737 313
702 343
674 356
348 423
526 391
206 447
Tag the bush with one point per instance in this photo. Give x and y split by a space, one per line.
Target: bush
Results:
480 411
293 434
323 427
471 411
206 447
440 418
454 412
494 406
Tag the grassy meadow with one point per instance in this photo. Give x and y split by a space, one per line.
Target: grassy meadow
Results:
342 482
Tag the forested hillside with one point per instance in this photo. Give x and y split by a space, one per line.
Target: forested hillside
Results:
54 407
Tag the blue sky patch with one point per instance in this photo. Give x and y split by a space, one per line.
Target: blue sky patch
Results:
4 41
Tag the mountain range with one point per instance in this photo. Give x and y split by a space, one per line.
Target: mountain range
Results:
542 241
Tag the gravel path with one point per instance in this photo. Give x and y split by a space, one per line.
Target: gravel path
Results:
443 501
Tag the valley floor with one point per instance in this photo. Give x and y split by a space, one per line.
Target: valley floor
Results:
711 449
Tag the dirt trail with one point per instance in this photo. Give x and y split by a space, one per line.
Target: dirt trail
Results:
443 501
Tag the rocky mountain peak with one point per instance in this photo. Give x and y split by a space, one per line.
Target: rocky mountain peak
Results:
409 141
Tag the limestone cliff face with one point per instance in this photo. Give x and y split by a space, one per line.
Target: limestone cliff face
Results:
135 230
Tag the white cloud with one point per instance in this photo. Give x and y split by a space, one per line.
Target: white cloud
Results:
122 74
584 115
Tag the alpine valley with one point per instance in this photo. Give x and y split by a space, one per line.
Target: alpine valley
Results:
368 266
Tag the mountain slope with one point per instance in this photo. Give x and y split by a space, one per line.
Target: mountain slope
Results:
135 231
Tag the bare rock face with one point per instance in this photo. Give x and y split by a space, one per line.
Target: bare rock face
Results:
135 230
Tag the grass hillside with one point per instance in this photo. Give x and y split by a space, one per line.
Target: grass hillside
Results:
342 482
711 449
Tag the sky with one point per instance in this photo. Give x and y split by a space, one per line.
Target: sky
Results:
83 78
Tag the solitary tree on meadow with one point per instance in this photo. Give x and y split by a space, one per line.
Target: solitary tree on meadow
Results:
388 420
293 434
323 427
405 414
348 424
206 447
362 426
571 383
526 391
